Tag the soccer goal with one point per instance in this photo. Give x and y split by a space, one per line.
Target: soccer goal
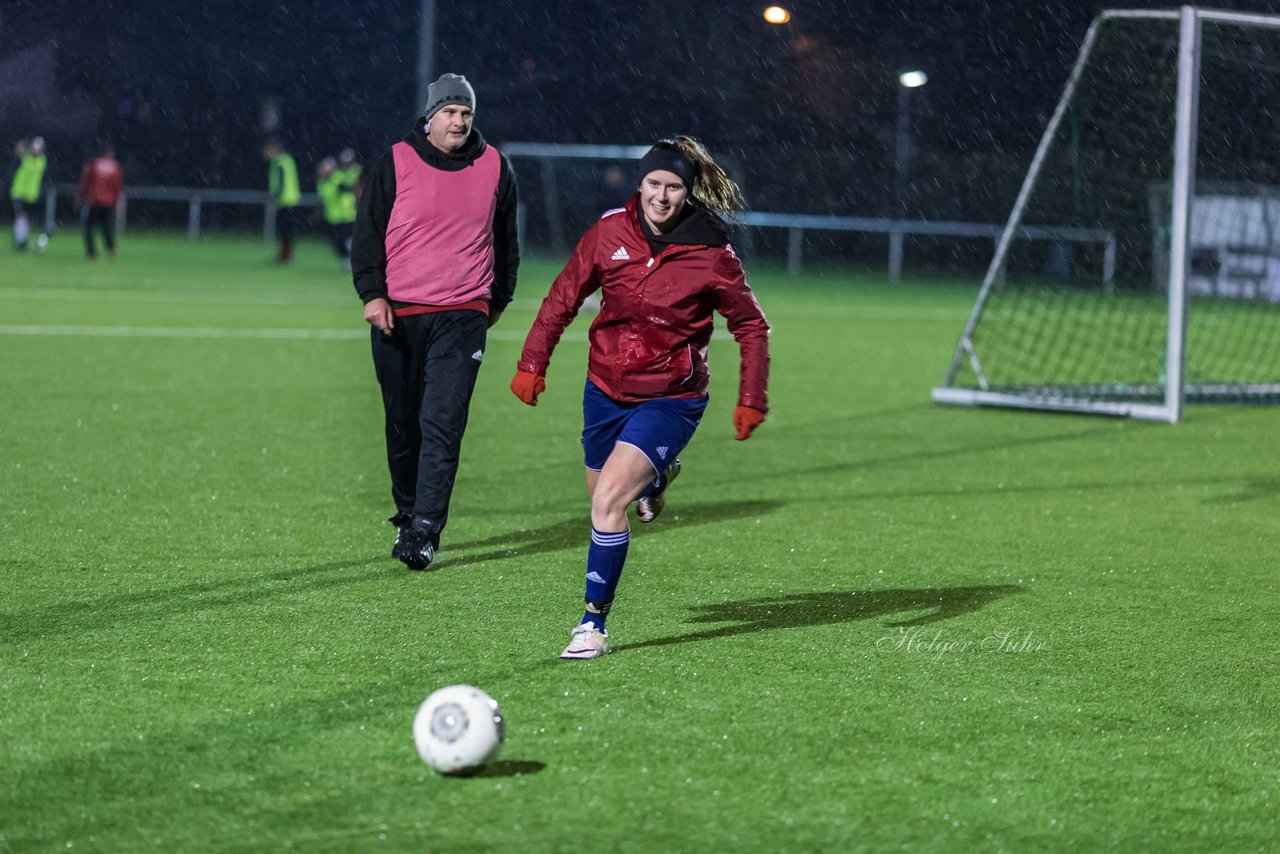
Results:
1167 135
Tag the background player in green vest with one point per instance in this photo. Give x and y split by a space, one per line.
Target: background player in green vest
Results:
26 189
284 194
349 172
350 183
338 206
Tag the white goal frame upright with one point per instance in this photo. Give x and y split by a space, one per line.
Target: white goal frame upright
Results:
1190 19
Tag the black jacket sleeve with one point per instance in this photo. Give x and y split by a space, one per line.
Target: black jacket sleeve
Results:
506 239
369 240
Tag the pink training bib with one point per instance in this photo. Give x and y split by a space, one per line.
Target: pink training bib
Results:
440 234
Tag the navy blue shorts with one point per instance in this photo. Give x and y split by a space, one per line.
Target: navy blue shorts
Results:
660 428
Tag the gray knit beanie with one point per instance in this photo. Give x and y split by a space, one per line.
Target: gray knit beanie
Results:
449 89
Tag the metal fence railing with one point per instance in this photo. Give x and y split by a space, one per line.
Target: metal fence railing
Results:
195 198
795 225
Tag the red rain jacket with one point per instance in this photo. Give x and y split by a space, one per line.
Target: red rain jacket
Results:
101 183
656 311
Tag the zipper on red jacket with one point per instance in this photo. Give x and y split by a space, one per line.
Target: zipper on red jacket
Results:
669 251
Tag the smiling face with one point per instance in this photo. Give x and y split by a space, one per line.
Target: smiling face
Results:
449 128
662 195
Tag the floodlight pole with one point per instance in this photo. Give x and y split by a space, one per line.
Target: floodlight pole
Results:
901 152
907 80
426 49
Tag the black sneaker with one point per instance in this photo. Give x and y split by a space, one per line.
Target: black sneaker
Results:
420 541
418 551
402 522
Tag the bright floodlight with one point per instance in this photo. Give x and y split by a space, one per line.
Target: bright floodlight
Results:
777 15
913 79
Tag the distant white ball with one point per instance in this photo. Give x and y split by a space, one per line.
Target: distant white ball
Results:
458 729
42 242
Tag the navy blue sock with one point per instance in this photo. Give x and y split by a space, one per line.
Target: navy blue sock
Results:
605 557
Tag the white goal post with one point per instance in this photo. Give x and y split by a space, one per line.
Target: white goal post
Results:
1111 356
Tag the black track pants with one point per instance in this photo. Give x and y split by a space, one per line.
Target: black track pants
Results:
427 369
102 219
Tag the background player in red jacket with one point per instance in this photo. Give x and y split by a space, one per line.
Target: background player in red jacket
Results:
101 184
664 267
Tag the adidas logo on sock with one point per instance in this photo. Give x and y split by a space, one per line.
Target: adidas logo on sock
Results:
478 355
595 577
621 254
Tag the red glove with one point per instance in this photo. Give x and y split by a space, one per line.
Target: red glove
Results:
527 386
746 420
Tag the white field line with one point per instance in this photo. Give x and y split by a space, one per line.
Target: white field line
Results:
775 307
210 297
224 332
773 310
863 312
298 298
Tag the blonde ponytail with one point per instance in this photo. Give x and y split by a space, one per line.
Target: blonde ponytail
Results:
713 188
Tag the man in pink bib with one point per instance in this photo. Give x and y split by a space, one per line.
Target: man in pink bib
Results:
434 259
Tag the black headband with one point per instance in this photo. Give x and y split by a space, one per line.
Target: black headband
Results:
669 161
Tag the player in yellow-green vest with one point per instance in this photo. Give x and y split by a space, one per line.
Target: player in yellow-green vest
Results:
25 191
339 207
349 182
284 193
349 185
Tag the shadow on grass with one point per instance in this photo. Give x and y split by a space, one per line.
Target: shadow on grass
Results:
510 768
1242 489
78 616
984 446
1252 489
86 615
574 533
820 609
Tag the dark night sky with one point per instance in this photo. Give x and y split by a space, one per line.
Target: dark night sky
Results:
180 86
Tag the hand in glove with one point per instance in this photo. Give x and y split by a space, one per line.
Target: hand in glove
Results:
527 386
746 420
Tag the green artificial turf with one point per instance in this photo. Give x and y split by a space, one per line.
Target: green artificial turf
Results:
879 624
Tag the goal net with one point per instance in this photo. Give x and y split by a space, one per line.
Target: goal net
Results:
571 186
1166 138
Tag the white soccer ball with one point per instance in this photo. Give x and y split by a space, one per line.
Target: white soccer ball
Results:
458 729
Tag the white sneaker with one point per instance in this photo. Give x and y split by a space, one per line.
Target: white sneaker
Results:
587 642
647 509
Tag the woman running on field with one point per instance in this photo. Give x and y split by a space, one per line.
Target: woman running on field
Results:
664 266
